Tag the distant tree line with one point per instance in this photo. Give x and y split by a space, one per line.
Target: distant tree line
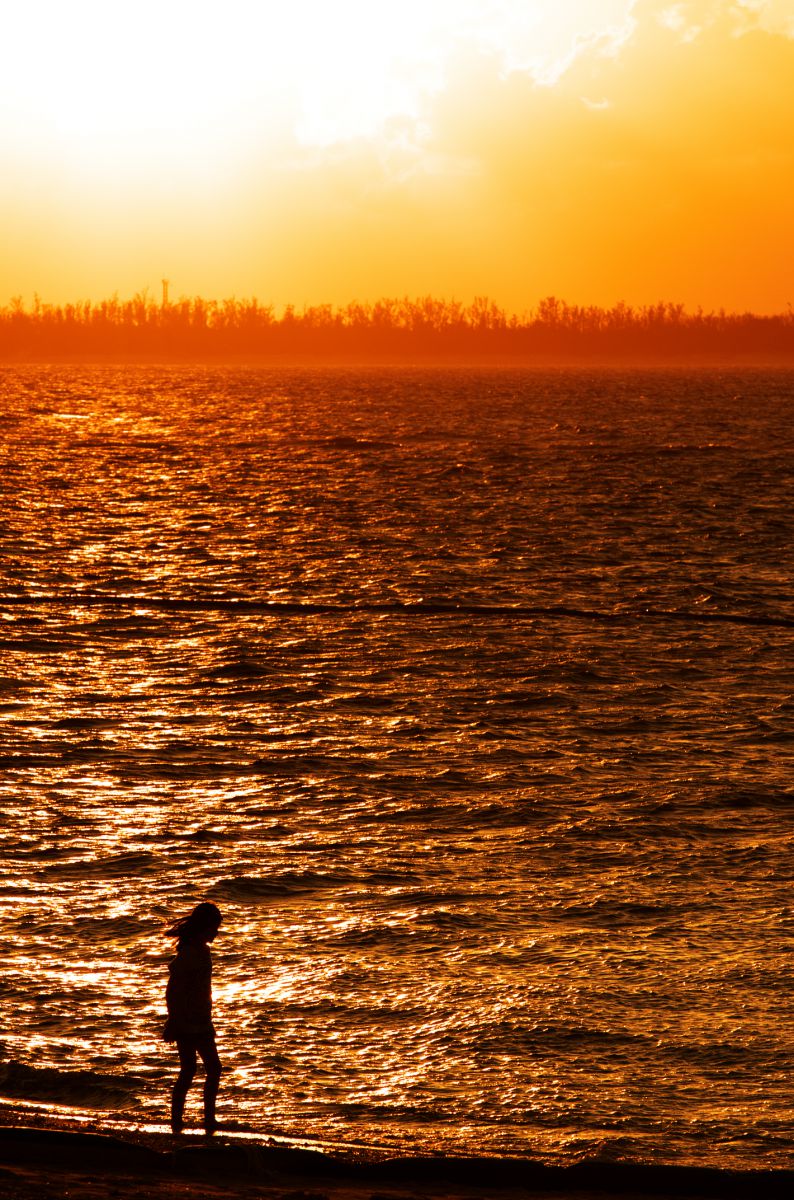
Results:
425 329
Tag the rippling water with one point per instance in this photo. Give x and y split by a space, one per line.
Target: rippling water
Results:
501 822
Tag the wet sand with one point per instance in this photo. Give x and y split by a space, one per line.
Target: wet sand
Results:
52 1156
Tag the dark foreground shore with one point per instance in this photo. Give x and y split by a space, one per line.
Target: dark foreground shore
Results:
48 1157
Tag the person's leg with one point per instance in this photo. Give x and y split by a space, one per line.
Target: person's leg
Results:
187 1069
212 1066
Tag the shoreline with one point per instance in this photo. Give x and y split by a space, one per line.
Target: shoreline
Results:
46 1155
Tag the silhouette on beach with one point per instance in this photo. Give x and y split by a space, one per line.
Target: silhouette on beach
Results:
189 1001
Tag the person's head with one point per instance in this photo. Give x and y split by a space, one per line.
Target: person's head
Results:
202 924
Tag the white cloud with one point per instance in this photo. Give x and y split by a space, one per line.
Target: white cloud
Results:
773 16
689 18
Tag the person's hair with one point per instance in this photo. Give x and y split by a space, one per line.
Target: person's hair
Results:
205 916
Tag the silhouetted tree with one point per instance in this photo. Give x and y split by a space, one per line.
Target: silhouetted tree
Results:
391 329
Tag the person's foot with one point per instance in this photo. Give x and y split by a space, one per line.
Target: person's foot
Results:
176 1127
211 1126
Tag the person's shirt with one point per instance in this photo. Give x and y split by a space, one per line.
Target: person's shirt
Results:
189 992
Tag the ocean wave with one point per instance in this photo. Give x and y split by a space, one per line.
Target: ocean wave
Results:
365 700
79 723
346 442
539 1040
248 889
18 762
759 795
243 889
443 918
522 698
240 668
384 937
617 912
78 1089
623 615
94 929
115 866
387 878
287 694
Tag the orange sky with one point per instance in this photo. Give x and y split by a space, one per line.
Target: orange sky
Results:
595 149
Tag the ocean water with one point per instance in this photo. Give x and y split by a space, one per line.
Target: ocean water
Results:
466 695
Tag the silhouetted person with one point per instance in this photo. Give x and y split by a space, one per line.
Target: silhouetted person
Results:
189 1000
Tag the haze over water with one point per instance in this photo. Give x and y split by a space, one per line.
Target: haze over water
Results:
493 880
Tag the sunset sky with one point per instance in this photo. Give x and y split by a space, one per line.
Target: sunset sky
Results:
312 152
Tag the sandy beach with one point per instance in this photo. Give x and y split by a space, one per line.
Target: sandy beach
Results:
48 1156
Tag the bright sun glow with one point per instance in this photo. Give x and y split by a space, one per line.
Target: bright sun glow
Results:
311 152
166 74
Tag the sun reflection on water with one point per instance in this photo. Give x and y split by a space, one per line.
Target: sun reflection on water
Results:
485 883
